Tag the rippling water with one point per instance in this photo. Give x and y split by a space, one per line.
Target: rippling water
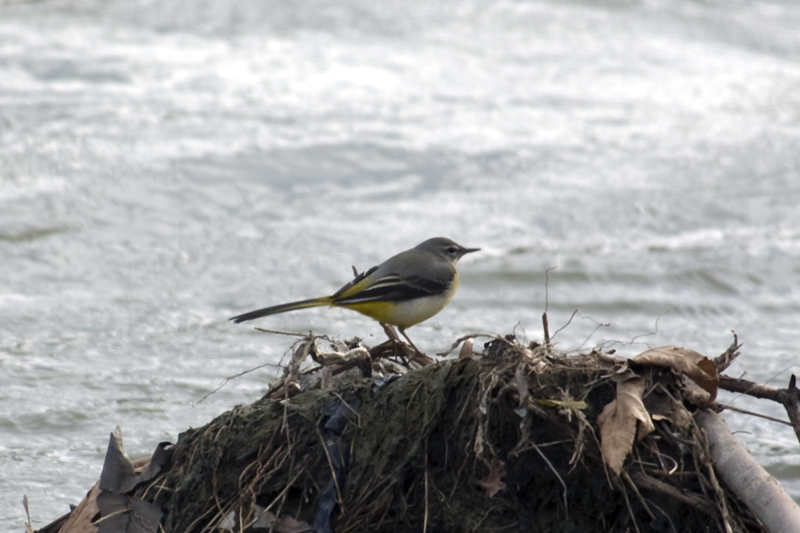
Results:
165 165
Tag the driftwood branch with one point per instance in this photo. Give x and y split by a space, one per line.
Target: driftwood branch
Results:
751 483
788 397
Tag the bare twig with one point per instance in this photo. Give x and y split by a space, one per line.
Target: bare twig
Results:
546 305
546 460
278 332
230 378
759 415
471 336
725 359
627 478
546 328
646 482
630 509
655 330
575 312
425 520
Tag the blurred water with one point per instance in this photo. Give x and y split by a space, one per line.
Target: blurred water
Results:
165 165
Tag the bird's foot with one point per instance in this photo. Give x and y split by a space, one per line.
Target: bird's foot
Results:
406 352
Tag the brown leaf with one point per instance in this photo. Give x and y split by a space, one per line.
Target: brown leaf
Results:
691 364
494 483
80 520
618 421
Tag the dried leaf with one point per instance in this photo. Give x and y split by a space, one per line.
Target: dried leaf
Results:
521 380
618 421
494 482
466 349
158 462
263 519
287 524
691 364
28 526
80 520
120 514
117 467
228 522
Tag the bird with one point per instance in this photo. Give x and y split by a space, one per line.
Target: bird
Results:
403 291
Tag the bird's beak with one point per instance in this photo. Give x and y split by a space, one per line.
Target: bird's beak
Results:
470 250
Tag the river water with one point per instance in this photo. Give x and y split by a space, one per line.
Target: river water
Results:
166 165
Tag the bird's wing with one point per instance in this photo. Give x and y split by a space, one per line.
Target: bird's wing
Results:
391 287
356 285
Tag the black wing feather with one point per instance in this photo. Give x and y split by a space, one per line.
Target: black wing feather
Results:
402 289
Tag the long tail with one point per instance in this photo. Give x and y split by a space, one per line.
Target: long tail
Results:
275 309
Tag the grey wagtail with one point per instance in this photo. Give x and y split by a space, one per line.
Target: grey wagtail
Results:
404 290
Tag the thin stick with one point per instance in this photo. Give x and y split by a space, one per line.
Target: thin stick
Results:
546 460
765 417
277 332
333 470
546 305
575 312
630 509
546 328
425 520
230 378
627 478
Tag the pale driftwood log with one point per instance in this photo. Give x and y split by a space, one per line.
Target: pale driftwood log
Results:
745 477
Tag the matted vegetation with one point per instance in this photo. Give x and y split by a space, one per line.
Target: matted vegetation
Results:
508 441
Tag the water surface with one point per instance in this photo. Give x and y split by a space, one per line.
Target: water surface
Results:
166 165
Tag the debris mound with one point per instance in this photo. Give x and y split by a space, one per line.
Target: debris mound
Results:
518 439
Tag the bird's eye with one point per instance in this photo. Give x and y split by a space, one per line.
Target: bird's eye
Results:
451 250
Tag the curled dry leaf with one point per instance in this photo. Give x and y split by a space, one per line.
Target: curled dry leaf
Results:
521 380
466 349
691 364
618 421
28 526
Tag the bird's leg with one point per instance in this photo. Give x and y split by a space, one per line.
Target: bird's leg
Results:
390 332
395 340
419 357
416 356
403 333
